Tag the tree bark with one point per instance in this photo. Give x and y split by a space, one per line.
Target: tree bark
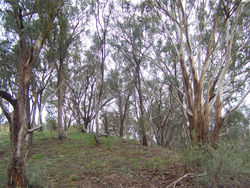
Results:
19 121
18 130
61 132
142 115
123 113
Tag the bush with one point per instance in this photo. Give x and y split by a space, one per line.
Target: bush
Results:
227 165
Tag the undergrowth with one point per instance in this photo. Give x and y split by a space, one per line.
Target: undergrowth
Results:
226 165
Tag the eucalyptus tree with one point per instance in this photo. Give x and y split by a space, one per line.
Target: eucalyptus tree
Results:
41 77
134 34
122 87
102 11
82 86
24 15
167 91
81 93
210 42
71 23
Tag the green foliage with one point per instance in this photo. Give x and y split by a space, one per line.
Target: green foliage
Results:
236 125
46 11
196 156
237 118
226 165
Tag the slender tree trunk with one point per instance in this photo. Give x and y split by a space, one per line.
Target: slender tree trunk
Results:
61 132
121 127
106 124
142 115
121 116
96 116
97 106
85 126
123 113
40 117
29 136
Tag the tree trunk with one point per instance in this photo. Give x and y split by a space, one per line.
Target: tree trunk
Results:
106 124
19 126
142 116
97 107
218 120
121 116
61 132
18 130
123 113
85 126
40 117
29 136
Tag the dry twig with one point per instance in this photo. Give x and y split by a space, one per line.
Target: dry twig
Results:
178 180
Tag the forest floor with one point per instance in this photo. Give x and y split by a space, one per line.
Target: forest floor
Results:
78 162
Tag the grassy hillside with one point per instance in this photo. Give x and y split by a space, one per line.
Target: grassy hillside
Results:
78 162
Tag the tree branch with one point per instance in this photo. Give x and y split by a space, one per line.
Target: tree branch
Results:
5 110
8 97
239 103
34 129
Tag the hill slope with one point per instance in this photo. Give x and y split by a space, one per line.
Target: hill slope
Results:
78 162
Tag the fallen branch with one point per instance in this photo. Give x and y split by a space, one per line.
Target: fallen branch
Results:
178 180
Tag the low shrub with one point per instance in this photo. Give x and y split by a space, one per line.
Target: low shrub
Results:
227 165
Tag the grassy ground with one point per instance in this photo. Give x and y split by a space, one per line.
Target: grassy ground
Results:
78 162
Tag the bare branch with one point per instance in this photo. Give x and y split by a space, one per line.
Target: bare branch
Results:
8 97
182 106
179 179
29 13
5 110
34 129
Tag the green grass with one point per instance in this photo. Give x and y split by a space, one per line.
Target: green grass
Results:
4 154
79 161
